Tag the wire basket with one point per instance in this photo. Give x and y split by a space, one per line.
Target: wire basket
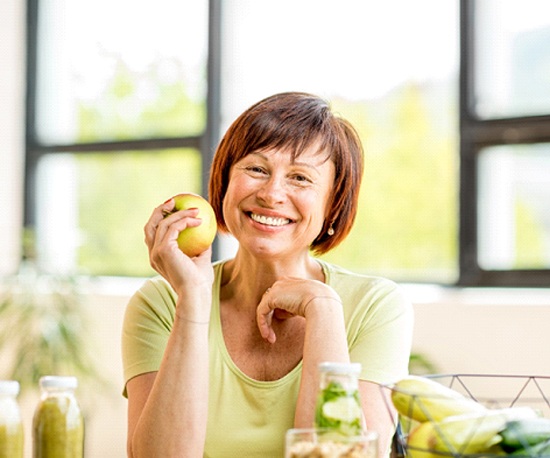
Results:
493 392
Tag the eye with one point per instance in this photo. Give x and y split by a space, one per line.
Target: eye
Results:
301 179
255 169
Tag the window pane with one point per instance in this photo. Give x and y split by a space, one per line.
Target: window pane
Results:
394 76
512 64
514 207
110 70
92 208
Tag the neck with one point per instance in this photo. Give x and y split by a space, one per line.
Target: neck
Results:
247 277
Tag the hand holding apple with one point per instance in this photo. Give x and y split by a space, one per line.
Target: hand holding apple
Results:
194 240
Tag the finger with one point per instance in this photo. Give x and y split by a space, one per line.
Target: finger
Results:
168 206
164 218
156 217
264 318
281 314
168 230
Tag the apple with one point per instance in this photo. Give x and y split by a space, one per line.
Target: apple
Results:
194 240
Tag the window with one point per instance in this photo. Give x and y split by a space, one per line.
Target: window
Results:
124 115
111 107
117 123
505 148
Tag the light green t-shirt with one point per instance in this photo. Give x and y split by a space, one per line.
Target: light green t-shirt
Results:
249 418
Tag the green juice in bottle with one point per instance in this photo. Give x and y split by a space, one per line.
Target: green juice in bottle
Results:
58 426
11 426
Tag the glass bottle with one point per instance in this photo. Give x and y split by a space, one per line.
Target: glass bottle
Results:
338 407
58 426
11 426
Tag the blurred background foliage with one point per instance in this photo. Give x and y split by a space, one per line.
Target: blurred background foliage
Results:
113 209
44 325
406 227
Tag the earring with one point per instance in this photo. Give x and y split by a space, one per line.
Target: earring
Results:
330 231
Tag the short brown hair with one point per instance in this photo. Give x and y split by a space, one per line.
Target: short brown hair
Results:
294 121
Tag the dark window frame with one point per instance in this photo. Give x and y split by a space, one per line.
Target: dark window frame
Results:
475 134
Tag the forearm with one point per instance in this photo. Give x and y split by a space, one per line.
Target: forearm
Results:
325 340
380 415
173 420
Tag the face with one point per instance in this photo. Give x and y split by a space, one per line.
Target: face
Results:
277 206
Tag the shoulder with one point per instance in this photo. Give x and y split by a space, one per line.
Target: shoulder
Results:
157 295
366 291
155 289
153 302
340 278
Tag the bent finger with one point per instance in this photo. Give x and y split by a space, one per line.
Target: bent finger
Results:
264 318
157 216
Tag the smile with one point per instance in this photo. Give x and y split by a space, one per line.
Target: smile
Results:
269 220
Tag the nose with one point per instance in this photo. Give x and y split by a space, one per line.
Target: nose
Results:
272 191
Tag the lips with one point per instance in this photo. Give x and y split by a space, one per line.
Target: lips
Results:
269 220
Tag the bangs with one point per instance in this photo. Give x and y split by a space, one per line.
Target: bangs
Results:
294 132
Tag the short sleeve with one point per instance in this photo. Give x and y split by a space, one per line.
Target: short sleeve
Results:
146 328
379 323
381 333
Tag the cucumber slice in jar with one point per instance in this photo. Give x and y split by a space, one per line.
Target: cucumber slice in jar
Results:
339 410
342 409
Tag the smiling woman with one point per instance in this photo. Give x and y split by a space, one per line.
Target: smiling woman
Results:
206 343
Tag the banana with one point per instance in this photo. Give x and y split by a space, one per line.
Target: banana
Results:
422 399
464 434
419 440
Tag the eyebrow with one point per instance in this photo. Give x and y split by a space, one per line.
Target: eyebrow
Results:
299 163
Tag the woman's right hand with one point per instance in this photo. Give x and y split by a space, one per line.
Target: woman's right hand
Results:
161 234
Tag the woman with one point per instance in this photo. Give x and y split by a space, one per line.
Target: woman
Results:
221 359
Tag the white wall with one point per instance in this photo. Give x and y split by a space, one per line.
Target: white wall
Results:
489 331
12 65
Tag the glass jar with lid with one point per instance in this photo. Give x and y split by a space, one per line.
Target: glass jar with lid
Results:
338 406
58 426
11 426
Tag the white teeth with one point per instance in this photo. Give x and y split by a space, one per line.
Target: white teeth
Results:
269 220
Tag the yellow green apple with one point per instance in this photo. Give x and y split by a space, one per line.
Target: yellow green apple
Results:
194 240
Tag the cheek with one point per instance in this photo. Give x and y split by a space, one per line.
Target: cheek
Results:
230 204
317 207
326 198
227 205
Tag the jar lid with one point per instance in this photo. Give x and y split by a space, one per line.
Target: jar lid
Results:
58 381
9 387
340 368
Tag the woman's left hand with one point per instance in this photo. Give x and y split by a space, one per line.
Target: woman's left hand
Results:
290 297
